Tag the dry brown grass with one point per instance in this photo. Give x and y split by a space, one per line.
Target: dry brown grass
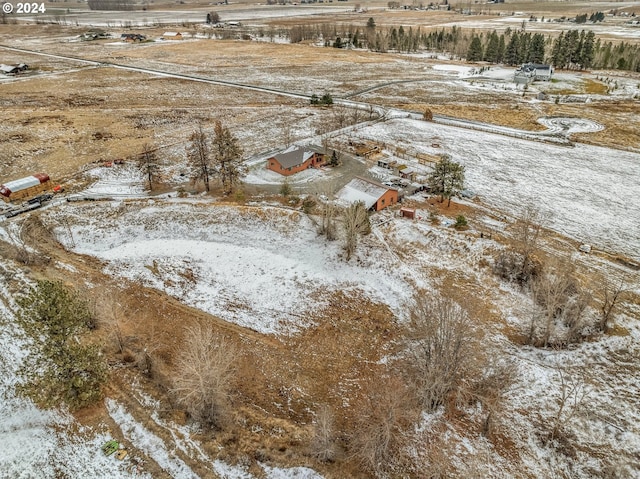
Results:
620 119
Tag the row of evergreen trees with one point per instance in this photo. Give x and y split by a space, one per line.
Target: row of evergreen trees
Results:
521 48
573 49
569 50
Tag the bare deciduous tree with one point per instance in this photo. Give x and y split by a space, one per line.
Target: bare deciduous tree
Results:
526 236
356 222
573 391
323 444
328 211
205 371
148 163
287 134
612 294
199 156
490 389
520 264
560 310
440 341
382 429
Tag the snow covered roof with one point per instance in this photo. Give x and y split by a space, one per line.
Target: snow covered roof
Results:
293 156
171 34
8 68
361 189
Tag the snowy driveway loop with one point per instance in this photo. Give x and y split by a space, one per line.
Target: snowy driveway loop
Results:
592 193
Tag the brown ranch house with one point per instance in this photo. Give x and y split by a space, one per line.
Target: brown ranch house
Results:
296 159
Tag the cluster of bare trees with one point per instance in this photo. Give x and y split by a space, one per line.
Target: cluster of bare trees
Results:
218 157
565 310
445 365
441 344
560 307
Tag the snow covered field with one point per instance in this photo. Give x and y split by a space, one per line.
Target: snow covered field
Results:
259 267
590 193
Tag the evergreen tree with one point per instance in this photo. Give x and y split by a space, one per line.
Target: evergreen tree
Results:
334 161
512 53
571 48
474 54
557 53
447 178
588 50
491 52
537 48
227 158
62 369
501 50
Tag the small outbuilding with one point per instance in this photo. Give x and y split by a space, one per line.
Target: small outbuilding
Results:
374 195
10 69
408 213
408 173
25 188
172 36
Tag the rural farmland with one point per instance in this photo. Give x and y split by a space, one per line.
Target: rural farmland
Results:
320 239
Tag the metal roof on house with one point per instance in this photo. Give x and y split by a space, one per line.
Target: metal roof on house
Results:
293 157
361 189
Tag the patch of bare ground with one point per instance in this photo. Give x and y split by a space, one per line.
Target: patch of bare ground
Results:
498 112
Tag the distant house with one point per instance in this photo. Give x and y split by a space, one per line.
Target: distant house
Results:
13 69
9 69
296 159
533 72
132 37
172 36
94 35
375 196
